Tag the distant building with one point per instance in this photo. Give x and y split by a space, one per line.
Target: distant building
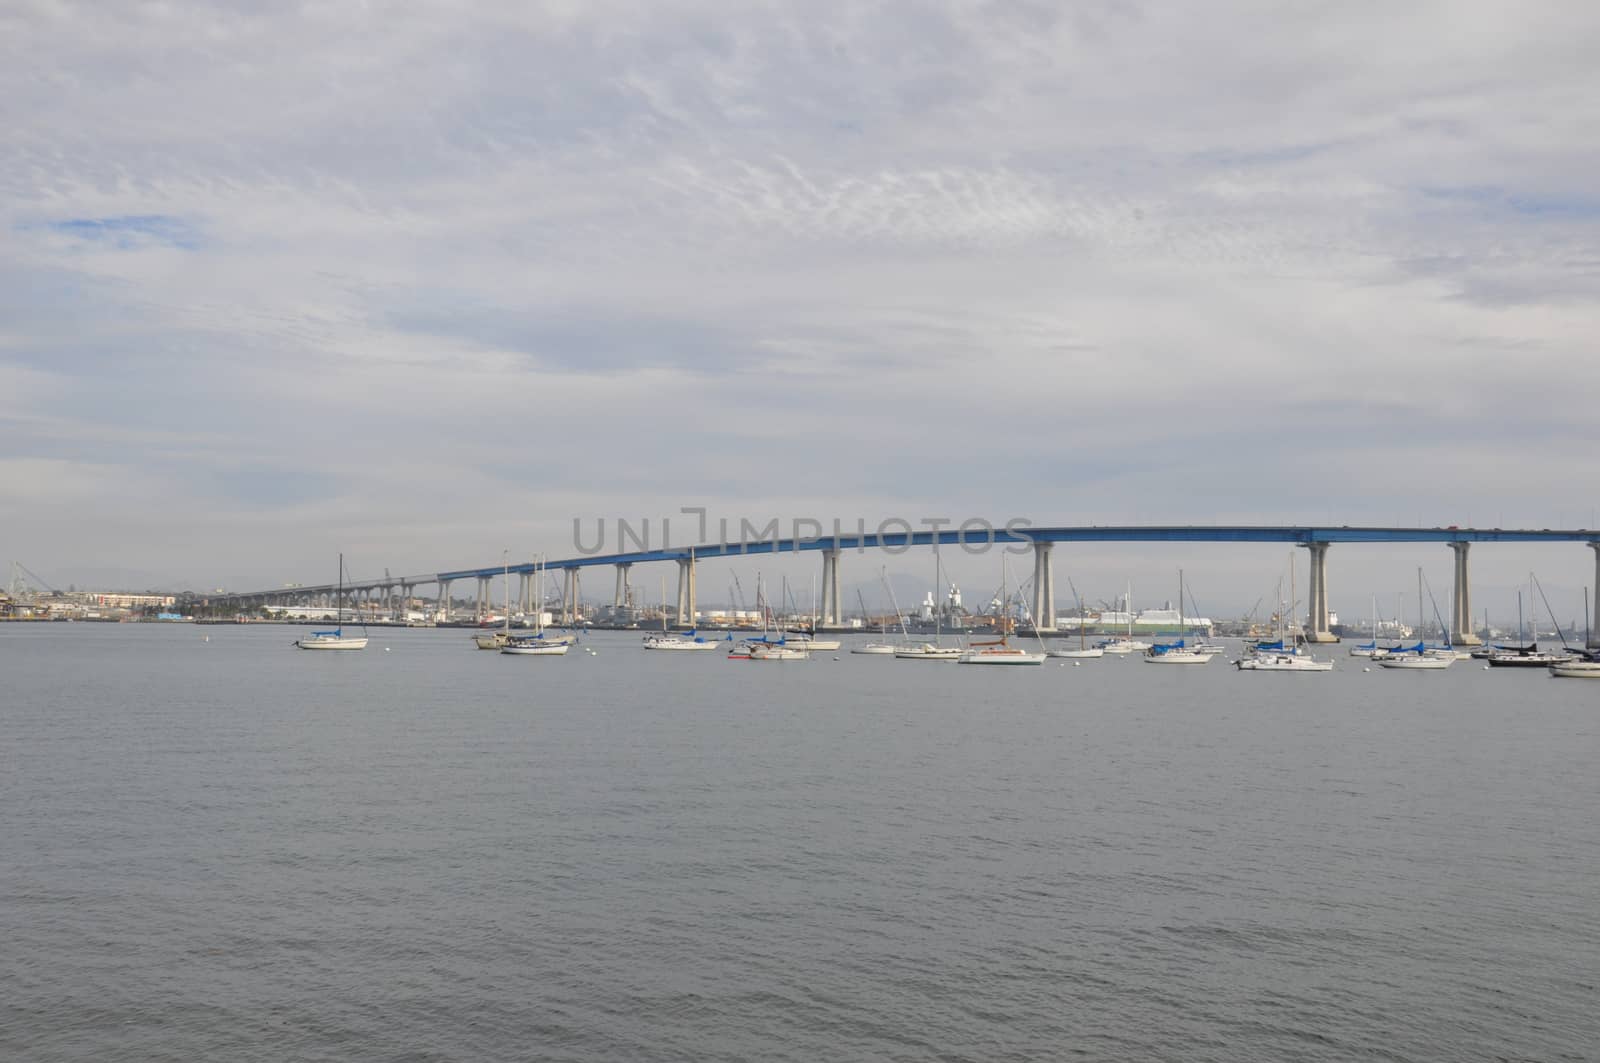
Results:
112 600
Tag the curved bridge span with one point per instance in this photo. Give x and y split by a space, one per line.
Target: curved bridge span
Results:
1317 539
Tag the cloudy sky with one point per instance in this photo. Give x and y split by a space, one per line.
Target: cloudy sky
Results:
426 282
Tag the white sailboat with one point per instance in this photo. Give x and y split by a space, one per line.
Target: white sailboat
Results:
1000 651
689 640
1371 647
1283 660
1586 666
935 650
494 640
1415 662
535 645
766 648
808 638
1179 652
1083 652
335 639
881 648
1127 644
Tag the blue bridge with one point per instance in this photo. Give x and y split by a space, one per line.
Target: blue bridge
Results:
1316 539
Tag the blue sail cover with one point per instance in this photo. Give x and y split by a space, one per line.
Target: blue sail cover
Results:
1163 647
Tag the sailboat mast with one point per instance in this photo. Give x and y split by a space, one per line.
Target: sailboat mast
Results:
1422 621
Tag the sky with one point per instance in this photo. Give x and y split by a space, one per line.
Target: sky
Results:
425 283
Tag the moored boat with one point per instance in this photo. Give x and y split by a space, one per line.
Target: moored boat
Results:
1416 662
332 640
535 646
335 639
1282 662
998 653
1585 667
926 651
1175 653
688 640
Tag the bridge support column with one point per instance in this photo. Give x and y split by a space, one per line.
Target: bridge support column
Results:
1594 628
686 603
1318 600
831 613
1044 588
442 611
619 599
1461 603
569 596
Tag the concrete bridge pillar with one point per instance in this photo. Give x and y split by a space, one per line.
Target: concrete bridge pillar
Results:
1594 628
619 599
1318 599
1044 588
831 612
686 602
443 610
1461 604
569 596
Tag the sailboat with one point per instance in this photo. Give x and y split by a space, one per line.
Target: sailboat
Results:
766 648
935 650
1083 652
882 648
1587 664
535 645
999 651
1179 652
1416 658
1369 648
335 639
807 637
1280 659
1528 655
1128 643
494 640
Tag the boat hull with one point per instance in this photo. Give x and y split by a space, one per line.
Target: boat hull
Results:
1416 664
1527 660
1014 657
1178 657
549 649
340 643
816 644
1282 663
1078 655
778 653
929 653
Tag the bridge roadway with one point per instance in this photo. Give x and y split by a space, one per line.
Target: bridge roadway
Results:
1316 539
